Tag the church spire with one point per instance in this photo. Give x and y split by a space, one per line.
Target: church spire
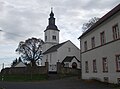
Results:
51 25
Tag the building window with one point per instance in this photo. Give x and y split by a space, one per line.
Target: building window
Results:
94 66
106 79
86 67
118 79
85 45
105 65
93 42
66 64
69 49
54 37
102 37
45 38
116 33
118 63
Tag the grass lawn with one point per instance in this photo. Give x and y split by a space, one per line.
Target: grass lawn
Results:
35 77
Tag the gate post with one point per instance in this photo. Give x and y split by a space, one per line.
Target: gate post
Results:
58 67
47 66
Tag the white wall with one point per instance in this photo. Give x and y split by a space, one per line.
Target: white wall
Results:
50 33
108 50
106 27
50 42
63 51
50 57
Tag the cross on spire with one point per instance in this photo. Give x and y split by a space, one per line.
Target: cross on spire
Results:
51 14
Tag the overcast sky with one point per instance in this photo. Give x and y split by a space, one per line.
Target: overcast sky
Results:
22 19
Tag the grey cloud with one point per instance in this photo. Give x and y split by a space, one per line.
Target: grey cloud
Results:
23 22
30 17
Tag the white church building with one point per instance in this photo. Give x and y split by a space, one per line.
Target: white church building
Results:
54 52
100 49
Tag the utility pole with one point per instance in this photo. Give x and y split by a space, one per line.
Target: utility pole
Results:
3 66
3 72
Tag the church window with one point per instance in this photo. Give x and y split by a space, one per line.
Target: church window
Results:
50 58
66 64
69 49
46 58
45 38
54 37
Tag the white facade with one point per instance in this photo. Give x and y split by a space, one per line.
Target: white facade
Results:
67 49
52 50
93 64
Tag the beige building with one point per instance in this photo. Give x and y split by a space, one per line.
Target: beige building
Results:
100 49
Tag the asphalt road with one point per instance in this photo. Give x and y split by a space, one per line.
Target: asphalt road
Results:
71 83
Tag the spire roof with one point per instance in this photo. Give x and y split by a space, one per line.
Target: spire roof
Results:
51 14
51 25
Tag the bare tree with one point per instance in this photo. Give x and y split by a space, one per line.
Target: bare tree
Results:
30 50
91 22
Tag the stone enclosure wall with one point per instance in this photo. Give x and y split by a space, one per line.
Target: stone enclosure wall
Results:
67 70
26 70
41 70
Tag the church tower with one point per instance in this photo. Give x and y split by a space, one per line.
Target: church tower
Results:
51 33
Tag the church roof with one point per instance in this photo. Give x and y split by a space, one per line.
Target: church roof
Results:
103 19
69 59
51 25
54 48
19 64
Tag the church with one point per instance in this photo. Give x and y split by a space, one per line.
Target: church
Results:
66 53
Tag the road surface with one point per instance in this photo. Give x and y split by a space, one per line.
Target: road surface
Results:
68 83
